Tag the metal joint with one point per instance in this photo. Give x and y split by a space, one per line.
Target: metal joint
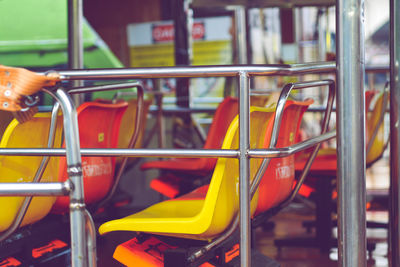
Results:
76 205
68 186
74 170
243 73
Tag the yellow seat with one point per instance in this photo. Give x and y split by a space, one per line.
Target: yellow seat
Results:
259 100
31 134
375 138
209 210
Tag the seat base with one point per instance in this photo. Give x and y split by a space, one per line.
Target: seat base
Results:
157 251
45 243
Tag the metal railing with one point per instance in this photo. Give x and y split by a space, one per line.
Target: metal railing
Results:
78 213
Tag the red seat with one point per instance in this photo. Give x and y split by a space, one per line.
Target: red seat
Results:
278 179
326 161
99 125
323 173
224 114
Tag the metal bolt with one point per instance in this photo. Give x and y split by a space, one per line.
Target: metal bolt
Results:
7 92
9 85
5 105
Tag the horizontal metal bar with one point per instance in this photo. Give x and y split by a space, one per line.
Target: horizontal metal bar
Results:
308 84
197 71
287 151
116 152
175 109
35 189
167 111
103 87
176 153
377 69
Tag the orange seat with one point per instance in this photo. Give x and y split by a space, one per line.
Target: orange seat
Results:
224 114
277 181
99 125
128 124
326 161
323 172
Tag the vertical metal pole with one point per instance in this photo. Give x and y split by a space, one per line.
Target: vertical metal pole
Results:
75 42
244 169
79 256
394 200
351 133
183 23
298 14
321 35
241 33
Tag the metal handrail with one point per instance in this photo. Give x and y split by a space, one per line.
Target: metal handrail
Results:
198 71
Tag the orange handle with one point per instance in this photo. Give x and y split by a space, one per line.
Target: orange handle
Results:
18 82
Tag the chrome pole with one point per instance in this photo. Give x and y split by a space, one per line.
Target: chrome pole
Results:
351 135
197 71
110 152
244 169
35 189
75 42
79 255
241 33
394 200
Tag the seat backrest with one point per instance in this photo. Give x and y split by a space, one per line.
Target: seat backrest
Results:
226 111
375 126
259 100
99 125
277 181
128 124
222 199
31 134
369 95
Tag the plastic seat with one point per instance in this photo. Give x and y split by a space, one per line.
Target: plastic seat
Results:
23 169
208 210
259 100
323 172
224 114
99 125
326 161
278 179
127 126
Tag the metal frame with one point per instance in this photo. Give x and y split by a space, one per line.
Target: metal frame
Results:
73 151
350 73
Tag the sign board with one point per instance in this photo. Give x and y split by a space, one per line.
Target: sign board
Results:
151 45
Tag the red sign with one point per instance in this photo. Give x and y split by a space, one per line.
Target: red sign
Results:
165 32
